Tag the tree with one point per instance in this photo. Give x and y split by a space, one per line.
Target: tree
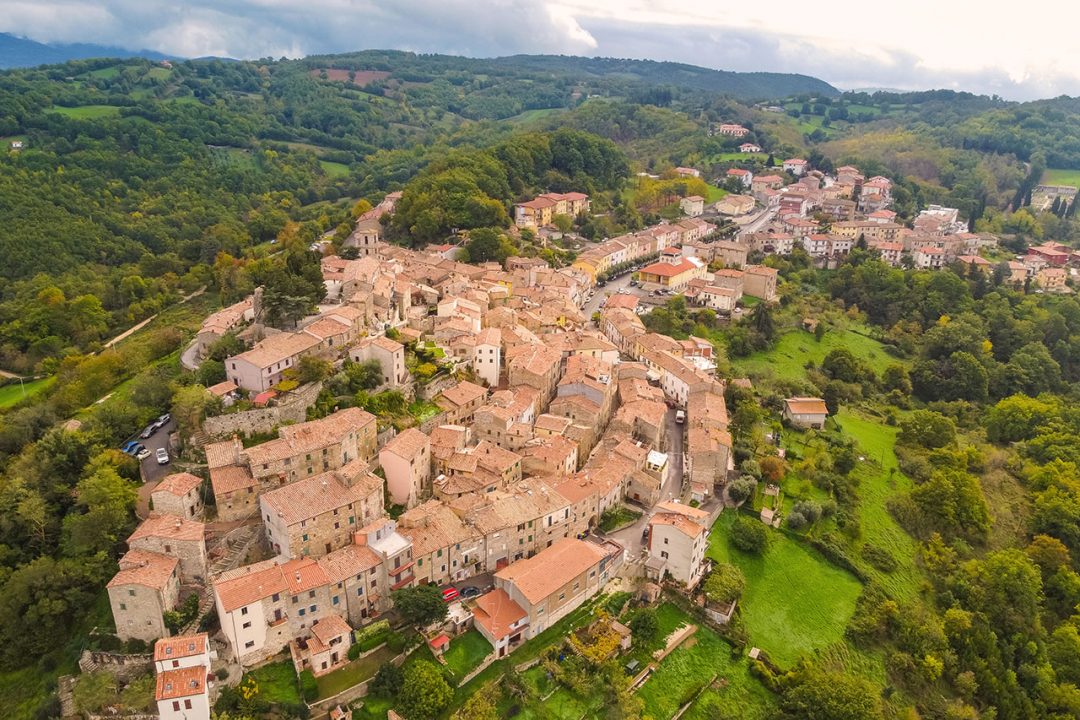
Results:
772 468
479 706
366 375
388 681
190 406
821 695
725 583
312 369
644 625
108 501
424 693
488 244
895 377
928 429
743 488
421 605
761 320
749 535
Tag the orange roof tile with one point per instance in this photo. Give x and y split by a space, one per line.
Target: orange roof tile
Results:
180 646
539 576
806 406
183 682
179 484
149 569
169 526
496 611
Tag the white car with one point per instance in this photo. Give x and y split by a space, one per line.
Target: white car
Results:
162 456
143 454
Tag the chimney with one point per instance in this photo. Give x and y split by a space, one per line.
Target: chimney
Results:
238 448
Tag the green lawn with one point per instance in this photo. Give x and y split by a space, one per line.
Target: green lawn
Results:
334 169
277 682
466 652
617 517
881 478
159 73
1061 176
787 358
87 112
530 116
715 194
354 673
685 671
105 73
14 392
373 709
737 156
795 601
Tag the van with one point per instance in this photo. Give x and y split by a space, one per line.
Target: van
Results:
680 416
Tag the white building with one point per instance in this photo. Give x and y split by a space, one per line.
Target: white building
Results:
678 537
182 665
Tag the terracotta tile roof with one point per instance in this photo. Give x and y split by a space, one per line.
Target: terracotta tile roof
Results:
313 496
806 406
248 584
433 526
183 682
408 444
312 435
760 270
278 348
669 269
496 611
180 647
231 478
348 562
179 484
463 393
539 576
150 569
552 423
173 527
222 388
391 346
330 627
680 522
693 513
224 453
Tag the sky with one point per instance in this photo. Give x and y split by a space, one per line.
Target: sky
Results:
989 47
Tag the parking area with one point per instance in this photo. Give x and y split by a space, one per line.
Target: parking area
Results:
149 468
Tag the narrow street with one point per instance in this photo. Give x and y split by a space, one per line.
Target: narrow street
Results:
612 288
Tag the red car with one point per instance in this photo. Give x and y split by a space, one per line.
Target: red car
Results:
450 594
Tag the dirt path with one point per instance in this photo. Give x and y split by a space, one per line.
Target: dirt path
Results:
134 329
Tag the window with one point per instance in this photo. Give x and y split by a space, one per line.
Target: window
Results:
311 594
246 625
305 537
360 591
562 596
295 600
249 644
243 611
123 606
302 612
276 597
187 704
420 562
313 608
176 705
665 541
131 592
663 554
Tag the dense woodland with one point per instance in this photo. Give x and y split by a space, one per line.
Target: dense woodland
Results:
139 184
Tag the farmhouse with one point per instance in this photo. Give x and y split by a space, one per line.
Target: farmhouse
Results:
806 412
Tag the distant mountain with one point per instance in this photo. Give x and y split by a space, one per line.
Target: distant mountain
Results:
17 52
743 85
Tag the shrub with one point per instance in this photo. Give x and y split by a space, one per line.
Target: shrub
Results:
743 488
309 689
749 535
796 520
725 583
879 558
810 510
396 641
354 651
388 681
222 673
644 625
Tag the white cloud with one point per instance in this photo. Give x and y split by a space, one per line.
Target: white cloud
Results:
913 44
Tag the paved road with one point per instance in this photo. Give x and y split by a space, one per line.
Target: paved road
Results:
613 287
760 221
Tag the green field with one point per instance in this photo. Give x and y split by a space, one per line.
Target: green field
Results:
159 73
87 112
530 116
1061 176
694 664
880 479
354 673
105 73
334 169
14 392
466 652
715 194
736 156
787 359
795 601
277 682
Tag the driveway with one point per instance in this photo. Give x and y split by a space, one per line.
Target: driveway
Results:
150 470
600 293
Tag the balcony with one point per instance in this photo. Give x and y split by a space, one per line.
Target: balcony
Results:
402 582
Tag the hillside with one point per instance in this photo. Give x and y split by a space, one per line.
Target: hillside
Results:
17 52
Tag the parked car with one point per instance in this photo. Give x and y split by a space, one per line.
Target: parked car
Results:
162 456
450 594
149 430
130 447
143 453
468 592
680 416
162 421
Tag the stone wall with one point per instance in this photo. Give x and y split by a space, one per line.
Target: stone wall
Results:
436 386
122 665
290 408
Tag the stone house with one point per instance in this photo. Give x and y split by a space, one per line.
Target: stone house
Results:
406 462
147 585
179 494
177 537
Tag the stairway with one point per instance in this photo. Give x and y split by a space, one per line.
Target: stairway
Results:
237 543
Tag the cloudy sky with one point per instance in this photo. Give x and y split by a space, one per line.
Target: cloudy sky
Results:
911 44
